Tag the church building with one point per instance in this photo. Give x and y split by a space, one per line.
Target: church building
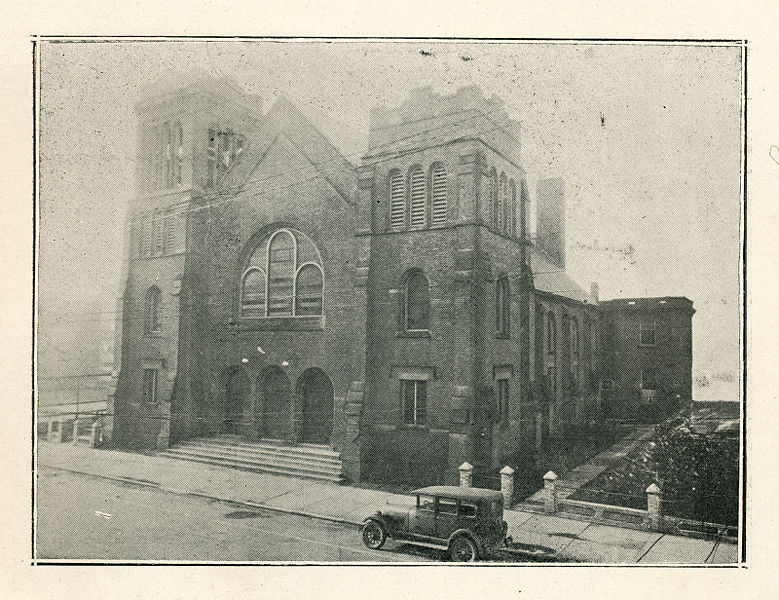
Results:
350 321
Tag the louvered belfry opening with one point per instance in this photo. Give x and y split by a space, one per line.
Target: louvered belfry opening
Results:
416 182
397 201
439 195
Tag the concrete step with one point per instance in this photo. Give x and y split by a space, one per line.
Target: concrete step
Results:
280 462
312 450
309 461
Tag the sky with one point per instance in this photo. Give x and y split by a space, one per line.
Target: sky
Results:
646 136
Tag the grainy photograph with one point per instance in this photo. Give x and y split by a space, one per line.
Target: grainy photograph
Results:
305 301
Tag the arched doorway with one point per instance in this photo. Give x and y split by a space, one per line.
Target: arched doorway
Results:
316 393
236 397
276 394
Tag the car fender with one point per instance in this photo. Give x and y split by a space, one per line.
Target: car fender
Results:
467 533
379 519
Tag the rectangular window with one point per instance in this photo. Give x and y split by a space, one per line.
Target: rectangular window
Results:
647 333
159 236
648 379
150 386
145 237
503 400
170 235
551 376
467 509
447 506
414 401
425 502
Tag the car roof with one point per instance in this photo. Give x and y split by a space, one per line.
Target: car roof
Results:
467 493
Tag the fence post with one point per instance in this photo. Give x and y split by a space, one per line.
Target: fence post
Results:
466 475
507 485
94 434
653 506
550 497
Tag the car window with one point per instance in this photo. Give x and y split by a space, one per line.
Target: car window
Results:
426 502
467 509
447 506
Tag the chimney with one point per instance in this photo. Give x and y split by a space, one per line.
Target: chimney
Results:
550 219
594 290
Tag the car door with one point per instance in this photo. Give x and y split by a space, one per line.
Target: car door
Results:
446 517
423 522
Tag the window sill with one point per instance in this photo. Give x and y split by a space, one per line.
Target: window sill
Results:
502 336
412 427
307 323
414 333
153 334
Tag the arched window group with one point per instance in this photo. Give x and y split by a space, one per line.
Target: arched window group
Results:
416 302
502 306
418 200
152 323
282 277
502 194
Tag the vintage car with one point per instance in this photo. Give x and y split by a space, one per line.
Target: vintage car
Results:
465 521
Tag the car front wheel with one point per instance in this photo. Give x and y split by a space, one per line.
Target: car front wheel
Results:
463 549
374 535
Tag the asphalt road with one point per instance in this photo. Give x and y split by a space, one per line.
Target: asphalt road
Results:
84 517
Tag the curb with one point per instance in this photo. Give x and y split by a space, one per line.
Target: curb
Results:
180 492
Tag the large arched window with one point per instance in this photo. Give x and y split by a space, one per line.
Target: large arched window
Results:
416 302
417 200
397 195
438 194
575 349
494 195
502 204
502 306
551 335
512 227
282 277
152 322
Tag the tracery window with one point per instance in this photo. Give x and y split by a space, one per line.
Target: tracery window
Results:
282 277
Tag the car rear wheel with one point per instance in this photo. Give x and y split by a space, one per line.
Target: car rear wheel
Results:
463 549
374 535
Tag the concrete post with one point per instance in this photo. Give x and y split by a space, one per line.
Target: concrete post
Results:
653 506
507 486
550 497
466 475
76 425
94 435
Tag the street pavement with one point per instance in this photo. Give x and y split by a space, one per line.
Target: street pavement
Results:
83 517
569 540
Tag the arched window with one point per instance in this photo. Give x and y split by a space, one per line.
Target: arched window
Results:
494 195
512 208
152 317
253 293
397 200
281 269
502 202
282 277
575 348
438 193
416 302
502 306
308 290
417 200
551 335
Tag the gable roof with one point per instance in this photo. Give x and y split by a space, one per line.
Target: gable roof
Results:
285 119
551 279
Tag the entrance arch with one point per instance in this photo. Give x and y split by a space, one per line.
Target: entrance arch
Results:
236 399
316 392
276 394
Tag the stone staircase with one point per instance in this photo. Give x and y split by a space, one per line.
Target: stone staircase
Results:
309 461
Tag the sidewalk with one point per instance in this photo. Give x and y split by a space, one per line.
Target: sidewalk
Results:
572 541
569 482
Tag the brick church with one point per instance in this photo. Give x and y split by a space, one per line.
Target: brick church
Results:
389 314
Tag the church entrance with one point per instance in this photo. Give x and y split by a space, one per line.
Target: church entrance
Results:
316 392
237 394
276 395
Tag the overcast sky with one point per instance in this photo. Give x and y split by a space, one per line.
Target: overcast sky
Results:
647 138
